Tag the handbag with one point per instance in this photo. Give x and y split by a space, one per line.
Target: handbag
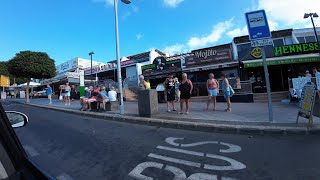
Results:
231 91
60 97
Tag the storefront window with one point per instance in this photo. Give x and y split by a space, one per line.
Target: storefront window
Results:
310 39
301 39
278 42
288 41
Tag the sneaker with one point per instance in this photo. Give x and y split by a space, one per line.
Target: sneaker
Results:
187 113
174 110
168 110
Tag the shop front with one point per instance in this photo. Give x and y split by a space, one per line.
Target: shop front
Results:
216 60
286 62
160 69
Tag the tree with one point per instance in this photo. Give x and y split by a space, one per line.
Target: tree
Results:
30 64
4 71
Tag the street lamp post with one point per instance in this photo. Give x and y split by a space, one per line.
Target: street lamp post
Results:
90 54
118 53
313 15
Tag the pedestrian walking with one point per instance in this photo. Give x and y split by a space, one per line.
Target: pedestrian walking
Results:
186 90
170 90
67 93
177 84
62 92
49 93
142 83
226 91
213 90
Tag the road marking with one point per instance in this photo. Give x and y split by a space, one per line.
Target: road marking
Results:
31 151
202 176
174 160
136 172
64 176
178 173
232 148
181 151
170 140
234 165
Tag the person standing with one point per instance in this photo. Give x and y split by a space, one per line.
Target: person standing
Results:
49 93
73 92
213 90
226 91
67 93
177 84
142 83
308 74
186 90
169 85
315 71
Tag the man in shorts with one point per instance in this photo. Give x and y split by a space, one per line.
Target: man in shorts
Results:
49 93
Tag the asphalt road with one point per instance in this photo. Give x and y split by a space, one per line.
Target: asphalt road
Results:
69 147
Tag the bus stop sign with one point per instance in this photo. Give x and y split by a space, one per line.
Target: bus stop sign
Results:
257 23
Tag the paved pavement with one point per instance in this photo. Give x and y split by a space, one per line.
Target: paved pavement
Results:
241 112
70 146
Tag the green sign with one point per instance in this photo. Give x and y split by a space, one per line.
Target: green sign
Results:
282 61
296 49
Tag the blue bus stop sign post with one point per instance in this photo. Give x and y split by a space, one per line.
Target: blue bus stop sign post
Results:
259 34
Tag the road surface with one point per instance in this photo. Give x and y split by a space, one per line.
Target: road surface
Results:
72 147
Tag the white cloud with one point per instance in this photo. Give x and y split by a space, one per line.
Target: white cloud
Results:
238 32
217 31
172 3
175 49
289 13
106 2
139 36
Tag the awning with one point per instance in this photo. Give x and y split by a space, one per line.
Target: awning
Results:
282 60
212 66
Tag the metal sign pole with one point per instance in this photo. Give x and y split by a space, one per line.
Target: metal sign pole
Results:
266 74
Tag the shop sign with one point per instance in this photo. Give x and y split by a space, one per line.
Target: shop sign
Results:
209 56
256 52
307 102
131 61
161 65
283 61
4 81
211 67
67 66
296 49
99 69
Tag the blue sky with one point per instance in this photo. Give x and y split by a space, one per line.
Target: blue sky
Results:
72 28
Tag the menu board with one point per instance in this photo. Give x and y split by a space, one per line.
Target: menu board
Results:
307 101
299 83
318 81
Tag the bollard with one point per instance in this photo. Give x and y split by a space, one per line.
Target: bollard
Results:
147 102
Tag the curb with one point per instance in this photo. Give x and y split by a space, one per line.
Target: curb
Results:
270 129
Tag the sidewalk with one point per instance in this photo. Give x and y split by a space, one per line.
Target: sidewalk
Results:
248 114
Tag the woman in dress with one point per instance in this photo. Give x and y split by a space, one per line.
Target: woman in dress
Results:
185 90
169 85
226 91
213 90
